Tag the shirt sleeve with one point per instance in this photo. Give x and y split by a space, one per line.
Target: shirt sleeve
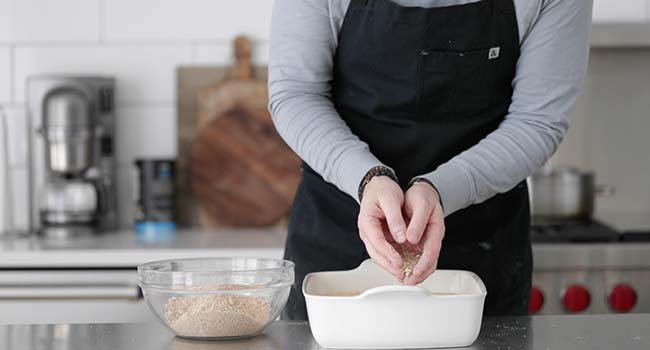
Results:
549 76
302 47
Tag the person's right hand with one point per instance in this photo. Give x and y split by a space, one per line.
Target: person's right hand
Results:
381 223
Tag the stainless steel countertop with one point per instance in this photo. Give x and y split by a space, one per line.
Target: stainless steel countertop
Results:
509 333
122 249
127 240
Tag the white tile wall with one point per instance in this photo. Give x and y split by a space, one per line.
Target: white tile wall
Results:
43 20
186 20
621 11
222 54
17 137
14 195
20 197
15 200
140 42
144 73
5 75
146 131
14 188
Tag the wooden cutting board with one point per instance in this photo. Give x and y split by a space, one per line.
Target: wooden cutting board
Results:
239 169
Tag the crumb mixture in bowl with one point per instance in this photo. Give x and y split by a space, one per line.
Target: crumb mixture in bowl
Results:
216 298
217 315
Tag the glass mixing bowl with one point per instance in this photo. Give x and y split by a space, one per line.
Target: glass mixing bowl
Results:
216 298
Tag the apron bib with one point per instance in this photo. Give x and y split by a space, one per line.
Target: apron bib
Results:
420 86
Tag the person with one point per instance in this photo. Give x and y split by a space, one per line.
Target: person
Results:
418 122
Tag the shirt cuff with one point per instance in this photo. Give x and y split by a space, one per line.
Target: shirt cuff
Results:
353 168
453 186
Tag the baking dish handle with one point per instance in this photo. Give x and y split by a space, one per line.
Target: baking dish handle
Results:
396 290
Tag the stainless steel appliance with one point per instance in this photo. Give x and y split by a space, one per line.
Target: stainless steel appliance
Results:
564 193
584 266
72 164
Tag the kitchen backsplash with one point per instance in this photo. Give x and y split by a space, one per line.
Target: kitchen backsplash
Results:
142 42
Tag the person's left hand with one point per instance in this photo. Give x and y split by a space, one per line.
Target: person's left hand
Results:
426 228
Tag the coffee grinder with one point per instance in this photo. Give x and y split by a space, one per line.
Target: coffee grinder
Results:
71 155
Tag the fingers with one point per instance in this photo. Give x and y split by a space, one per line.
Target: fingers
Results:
419 219
431 245
377 241
379 249
383 261
391 206
425 266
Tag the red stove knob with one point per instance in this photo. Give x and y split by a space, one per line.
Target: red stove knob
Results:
576 298
622 298
536 300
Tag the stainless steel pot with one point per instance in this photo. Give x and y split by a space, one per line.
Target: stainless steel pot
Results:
563 193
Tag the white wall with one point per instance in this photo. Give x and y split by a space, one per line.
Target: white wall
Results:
140 42
621 10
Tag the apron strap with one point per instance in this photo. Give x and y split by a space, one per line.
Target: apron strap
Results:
501 9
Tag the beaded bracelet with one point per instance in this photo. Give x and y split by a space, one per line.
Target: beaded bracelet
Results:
379 170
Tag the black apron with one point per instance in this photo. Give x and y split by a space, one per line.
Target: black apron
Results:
420 86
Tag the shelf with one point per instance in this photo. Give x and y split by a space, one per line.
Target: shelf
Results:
620 35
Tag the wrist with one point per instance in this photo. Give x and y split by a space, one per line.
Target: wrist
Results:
375 173
426 183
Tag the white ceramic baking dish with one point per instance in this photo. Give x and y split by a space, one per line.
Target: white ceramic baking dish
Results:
444 311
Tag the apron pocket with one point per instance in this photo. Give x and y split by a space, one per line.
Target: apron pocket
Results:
455 84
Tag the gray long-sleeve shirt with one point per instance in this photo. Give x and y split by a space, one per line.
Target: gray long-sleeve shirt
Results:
554 40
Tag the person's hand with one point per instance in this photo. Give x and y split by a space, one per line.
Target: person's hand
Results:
381 224
426 229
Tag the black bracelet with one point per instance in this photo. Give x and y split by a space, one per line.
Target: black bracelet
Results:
379 170
426 181
421 179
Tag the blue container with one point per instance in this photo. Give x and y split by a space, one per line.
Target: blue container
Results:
155 217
